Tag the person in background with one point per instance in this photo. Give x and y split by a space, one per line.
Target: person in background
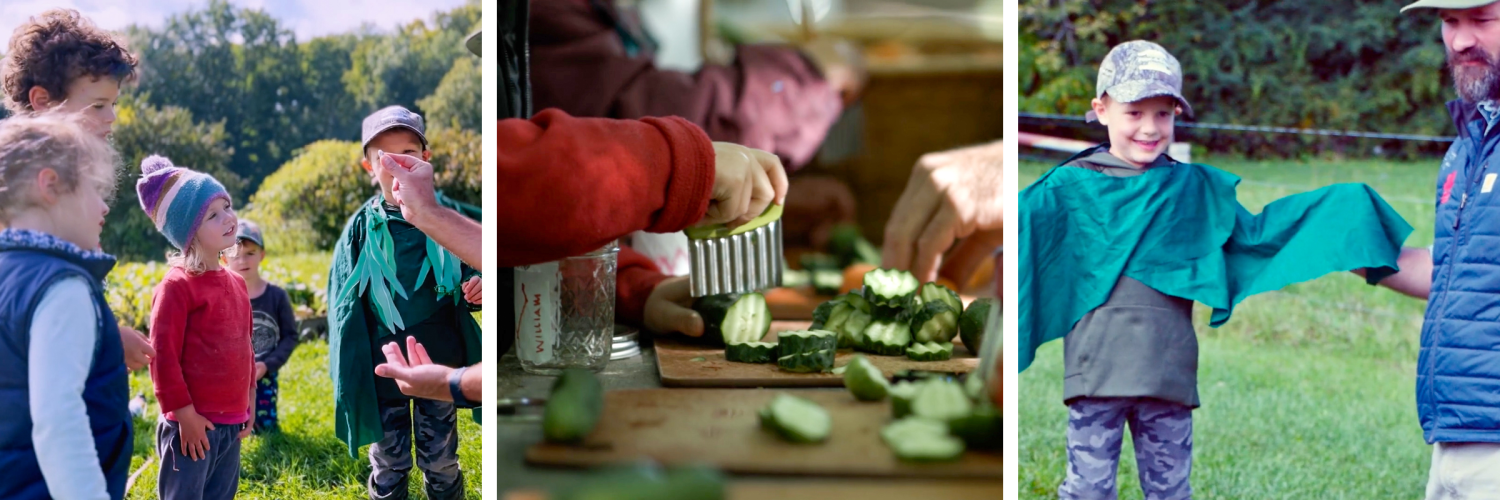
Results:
275 327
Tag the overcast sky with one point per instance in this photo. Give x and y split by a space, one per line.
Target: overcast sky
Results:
308 18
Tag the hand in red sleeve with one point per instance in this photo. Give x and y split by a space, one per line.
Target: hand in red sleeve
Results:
669 309
746 181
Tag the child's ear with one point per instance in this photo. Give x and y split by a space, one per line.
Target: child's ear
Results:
427 155
1098 105
365 162
41 100
46 185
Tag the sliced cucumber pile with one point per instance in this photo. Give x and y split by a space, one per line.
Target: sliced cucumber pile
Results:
886 338
934 322
889 288
864 380
574 407
795 419
920 439
751 352
824 312
972 323
734 318
930 351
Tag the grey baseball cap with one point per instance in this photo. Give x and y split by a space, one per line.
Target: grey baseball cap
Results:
1446 4
1139 70
473 42
392 117
250 231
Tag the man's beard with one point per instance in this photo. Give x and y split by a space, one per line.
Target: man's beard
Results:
1475 83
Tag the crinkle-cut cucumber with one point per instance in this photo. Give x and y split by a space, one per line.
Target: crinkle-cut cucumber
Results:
934 322
807 362
827 282
930 351
886 338
941 400
801 341
864 380
857 299
851 332
933 292
824 313
751 352
901 396
890 288
795 419
734 318
920 439
972 323
574 407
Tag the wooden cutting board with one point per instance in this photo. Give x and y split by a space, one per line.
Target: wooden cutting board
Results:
721 427
675 359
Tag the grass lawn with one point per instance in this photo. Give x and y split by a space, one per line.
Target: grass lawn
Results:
305 461
1306 393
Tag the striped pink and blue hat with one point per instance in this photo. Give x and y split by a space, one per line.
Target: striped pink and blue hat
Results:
175 198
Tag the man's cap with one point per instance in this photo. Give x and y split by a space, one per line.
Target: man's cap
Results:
1446 4
250 231
473 42
392 117
1139 70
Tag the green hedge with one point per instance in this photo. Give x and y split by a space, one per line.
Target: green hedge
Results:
1347 65
130 286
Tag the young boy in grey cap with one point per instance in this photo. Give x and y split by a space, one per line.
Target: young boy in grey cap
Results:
274 327
1134 359
389 281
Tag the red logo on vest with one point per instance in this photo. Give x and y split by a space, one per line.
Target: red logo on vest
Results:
1448 187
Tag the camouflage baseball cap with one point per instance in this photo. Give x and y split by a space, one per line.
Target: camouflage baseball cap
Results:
1446 4
1137 70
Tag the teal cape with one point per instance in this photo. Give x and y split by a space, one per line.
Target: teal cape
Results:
1180 230
355 331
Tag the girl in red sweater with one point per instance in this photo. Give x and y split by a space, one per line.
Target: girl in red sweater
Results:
200 328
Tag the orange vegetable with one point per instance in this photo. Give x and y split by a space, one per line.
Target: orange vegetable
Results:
854 277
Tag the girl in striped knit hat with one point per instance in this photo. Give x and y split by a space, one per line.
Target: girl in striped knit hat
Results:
200 328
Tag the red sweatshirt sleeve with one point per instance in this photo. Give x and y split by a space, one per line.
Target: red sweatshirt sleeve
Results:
770 97
569 185
169 307
635 279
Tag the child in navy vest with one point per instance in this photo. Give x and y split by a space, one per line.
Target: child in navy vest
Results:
200 327
65 429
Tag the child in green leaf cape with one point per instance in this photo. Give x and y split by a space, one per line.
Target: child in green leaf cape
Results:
389 281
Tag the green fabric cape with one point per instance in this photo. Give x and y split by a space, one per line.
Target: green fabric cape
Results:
353 330
1181 231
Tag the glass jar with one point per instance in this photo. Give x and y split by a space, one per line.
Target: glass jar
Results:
565 312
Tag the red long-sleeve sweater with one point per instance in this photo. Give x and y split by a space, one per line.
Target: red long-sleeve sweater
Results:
200 328
570 185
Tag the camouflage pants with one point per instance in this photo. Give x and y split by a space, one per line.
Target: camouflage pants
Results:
436 429
1163 435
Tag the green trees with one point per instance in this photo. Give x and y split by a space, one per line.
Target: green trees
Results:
1341 64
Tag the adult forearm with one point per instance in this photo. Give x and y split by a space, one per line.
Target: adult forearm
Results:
1415 277
460 235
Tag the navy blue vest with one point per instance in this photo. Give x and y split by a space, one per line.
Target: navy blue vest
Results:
25 274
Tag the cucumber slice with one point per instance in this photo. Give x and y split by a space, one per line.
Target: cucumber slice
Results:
857 299
864 380
824 312
933 292
971 323
751 352
827 282
851 333
734 318
574 407
836 317
941 400
981 430
920 439
901 396
803 341
797 420
807 362
934 322
974 386
793 278
886 338
930 351
890 288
